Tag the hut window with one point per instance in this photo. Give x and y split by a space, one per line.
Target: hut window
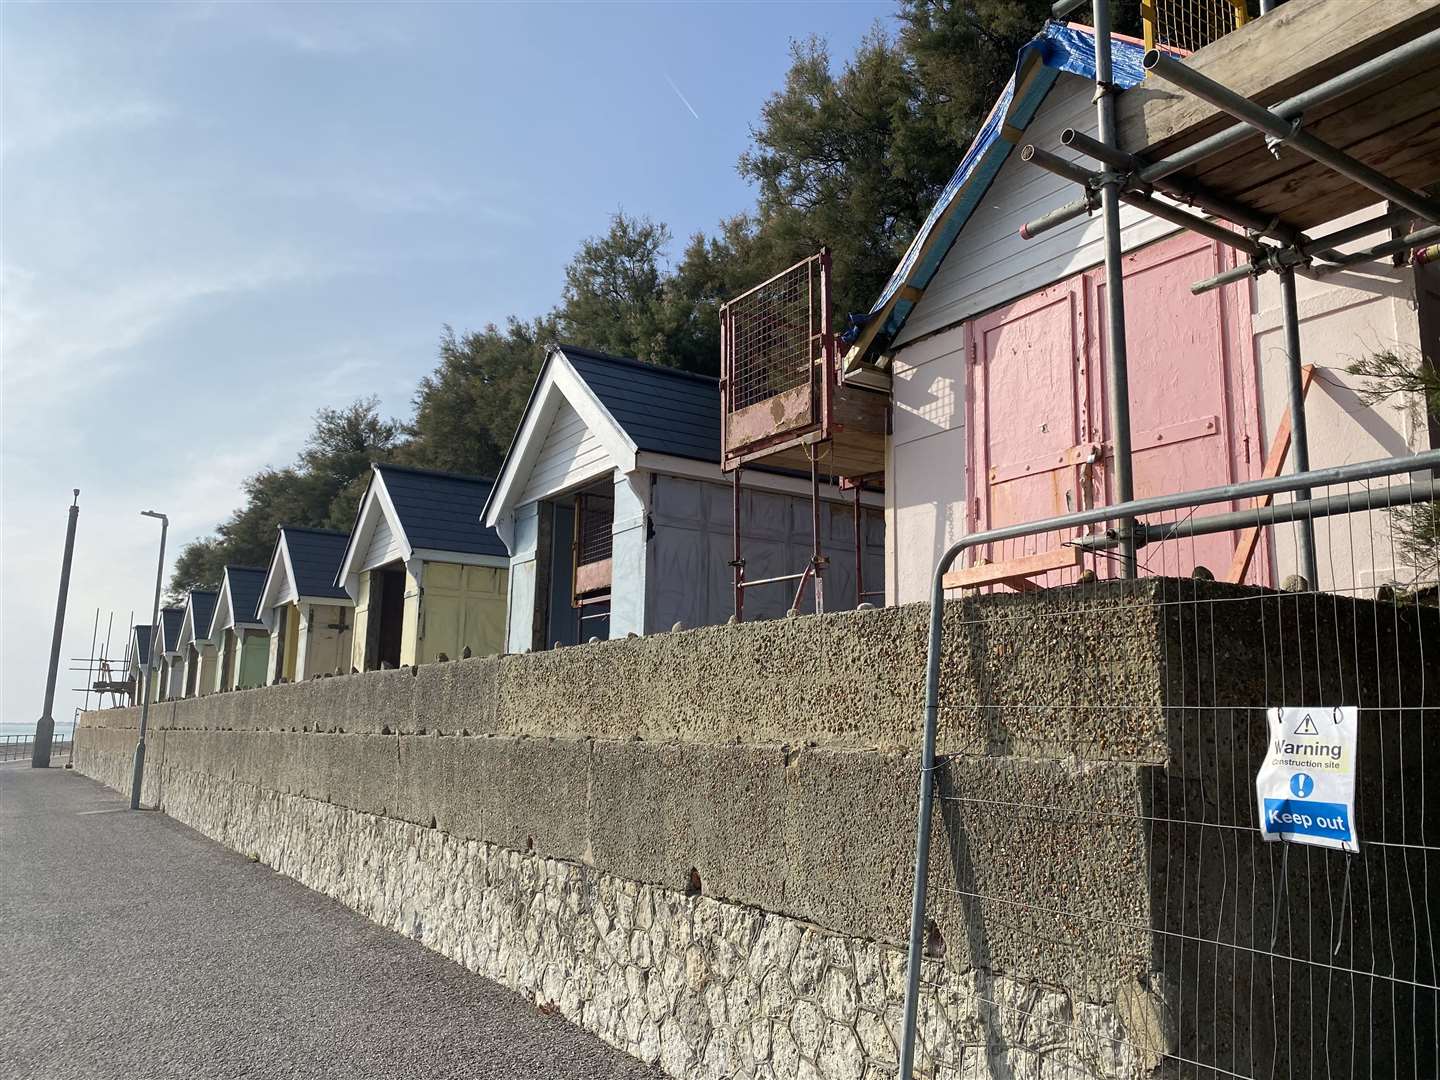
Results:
593 546
594 520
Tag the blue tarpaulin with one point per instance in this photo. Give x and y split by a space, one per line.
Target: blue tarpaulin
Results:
1056 48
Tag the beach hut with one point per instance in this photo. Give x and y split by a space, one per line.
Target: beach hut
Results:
197 651
990 337
139 651
240 639
165 641
308 617
427 579
618 519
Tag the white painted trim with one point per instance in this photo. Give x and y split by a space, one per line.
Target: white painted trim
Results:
160 632
751 479
279 558
268 594
376 501
225 603
558 381
333 601
187 627
222 603
500 562
382 494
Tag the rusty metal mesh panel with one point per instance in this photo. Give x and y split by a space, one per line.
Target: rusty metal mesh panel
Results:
1191 24
774 336
594 519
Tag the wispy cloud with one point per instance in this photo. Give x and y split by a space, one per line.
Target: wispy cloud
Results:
387 191
331 30
56 331
51 99
683 99
32 129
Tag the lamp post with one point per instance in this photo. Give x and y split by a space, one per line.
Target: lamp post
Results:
149 663
45 728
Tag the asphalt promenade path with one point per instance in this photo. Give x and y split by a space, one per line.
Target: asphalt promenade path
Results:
132 947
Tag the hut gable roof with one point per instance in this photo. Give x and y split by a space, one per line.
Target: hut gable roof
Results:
303 565
170 620
627 408
140 646
1058 49
199 611
425 513
239 593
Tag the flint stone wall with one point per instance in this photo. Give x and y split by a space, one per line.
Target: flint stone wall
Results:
699 844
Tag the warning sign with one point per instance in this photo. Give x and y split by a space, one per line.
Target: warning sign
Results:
1306 785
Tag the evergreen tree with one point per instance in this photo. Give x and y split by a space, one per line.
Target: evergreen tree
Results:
319 490
850 160
1405 375
467 409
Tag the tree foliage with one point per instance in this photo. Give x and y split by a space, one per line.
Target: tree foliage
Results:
467 409
321 489
1405 375
850 159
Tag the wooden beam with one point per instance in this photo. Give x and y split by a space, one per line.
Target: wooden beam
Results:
1300 44
1015 572
1274 462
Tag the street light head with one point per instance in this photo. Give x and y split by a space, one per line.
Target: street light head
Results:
153 514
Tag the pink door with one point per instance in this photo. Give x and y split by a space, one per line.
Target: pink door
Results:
1039 437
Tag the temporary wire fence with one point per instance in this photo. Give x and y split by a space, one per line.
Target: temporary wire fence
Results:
1090 829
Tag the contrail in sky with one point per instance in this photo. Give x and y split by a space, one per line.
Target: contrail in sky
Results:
683 99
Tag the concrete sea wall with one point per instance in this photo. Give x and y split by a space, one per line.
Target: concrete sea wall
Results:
699 845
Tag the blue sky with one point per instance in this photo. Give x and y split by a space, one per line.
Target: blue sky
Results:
217 218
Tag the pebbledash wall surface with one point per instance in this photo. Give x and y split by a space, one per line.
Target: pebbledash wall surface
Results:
699 845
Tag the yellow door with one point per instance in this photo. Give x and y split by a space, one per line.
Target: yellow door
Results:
464 607
292 640
360 633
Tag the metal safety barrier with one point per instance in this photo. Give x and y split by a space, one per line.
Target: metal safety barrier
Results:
1220 944
20 747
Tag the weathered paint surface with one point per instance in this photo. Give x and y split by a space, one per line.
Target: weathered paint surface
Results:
290 641
1037 402
462 606
932 482
361 632
410 629
254 652
326 649
691 580
207 661
996 420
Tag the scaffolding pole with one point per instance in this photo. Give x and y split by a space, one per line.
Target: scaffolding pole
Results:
1299 438
1117 359
1282 132
1292 108
1130 178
